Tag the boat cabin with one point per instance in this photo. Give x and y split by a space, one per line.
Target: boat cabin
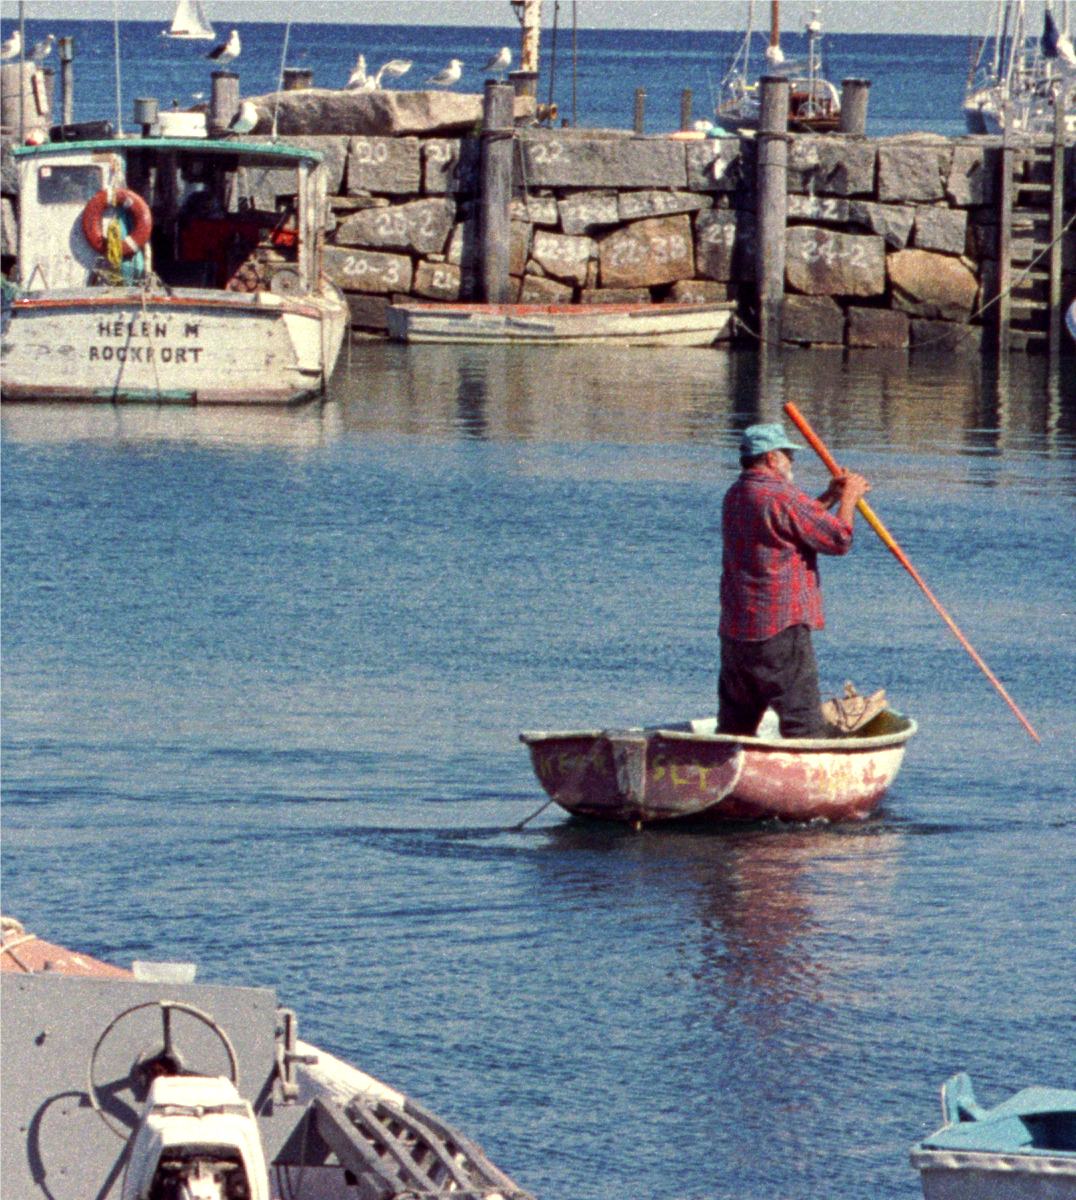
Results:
192 212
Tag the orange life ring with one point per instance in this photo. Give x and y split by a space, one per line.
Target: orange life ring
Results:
123 198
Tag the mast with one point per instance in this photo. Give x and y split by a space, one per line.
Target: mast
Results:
774 55
529 15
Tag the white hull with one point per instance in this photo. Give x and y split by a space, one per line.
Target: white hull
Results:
189 346
968 1175
633 325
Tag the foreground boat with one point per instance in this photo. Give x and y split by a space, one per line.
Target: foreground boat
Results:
561 324
686 770
143 1085
1022 1149
152 269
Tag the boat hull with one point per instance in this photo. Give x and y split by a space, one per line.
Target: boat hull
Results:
188 346
561 324
661 774
951 1175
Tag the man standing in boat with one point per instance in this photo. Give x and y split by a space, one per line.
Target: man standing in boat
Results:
770 596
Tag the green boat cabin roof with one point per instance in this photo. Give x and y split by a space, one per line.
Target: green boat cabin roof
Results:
270 151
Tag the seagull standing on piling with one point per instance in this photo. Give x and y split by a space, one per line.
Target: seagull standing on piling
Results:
11 47
43 49
227 51
499 63
450 75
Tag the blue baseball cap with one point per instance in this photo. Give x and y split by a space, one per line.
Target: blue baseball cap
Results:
758 439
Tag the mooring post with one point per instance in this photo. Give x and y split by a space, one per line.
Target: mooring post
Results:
685 108
772 177
1003 306
854 96
67 78
496 193
223 100
1057 222
640 110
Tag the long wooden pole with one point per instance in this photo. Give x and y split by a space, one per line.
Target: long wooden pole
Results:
868 514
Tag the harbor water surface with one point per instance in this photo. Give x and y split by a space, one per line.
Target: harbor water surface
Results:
263 675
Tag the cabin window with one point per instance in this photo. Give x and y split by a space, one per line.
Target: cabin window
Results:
67 184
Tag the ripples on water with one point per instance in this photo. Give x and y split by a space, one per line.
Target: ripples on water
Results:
263 675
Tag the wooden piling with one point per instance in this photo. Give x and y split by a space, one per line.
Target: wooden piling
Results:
685 108
772 205
496 191
638 116
1057 225
1002 297
854 95
66 46
223 100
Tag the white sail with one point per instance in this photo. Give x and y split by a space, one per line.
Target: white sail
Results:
190 22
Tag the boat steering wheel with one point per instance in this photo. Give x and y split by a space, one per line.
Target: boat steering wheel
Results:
165 1061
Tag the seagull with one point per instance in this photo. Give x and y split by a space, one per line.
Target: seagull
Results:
12 46
358 80
43 49
499 63
450 75
394 68
245 119
226 51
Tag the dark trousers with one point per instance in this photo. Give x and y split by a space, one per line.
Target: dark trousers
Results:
779 673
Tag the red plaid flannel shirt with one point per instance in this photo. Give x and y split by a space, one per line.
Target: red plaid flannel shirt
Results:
773 534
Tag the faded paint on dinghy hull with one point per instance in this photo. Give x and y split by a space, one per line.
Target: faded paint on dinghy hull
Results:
189 346
660 774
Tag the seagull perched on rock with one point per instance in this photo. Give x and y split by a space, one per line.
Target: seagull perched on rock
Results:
43 49
499 63
450 75
245 119
12 46
358 80
227 51
394 68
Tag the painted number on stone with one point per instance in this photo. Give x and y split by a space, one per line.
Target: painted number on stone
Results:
370 152
360 267
544 152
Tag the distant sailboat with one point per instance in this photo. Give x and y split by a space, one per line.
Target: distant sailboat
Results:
190 23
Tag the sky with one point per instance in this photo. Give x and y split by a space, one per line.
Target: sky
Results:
959 17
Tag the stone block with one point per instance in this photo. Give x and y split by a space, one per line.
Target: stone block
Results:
972 178
698 291
451 165
812 320
266 187
538 210
943 229
725 244
878 328
519 245
945 337
368 312
536 289
914 171
893 222
720 164
463 242
818 208
638 295
367 270
563 257
585 212
931 285
332 148
436 281
646 253
821 262
384 164
420 226
632 206
831 166
554 160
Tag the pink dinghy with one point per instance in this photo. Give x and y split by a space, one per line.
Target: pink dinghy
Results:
687 770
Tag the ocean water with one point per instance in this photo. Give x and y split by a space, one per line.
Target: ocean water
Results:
917 82
263 675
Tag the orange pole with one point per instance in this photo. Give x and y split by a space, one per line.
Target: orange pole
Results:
868 514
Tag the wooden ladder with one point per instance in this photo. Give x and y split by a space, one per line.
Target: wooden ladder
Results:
1031 219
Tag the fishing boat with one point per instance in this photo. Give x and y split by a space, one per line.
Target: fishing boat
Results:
1016 80
1022 1149
189 23
144 1084
642 324
170 269
814 103
687 770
